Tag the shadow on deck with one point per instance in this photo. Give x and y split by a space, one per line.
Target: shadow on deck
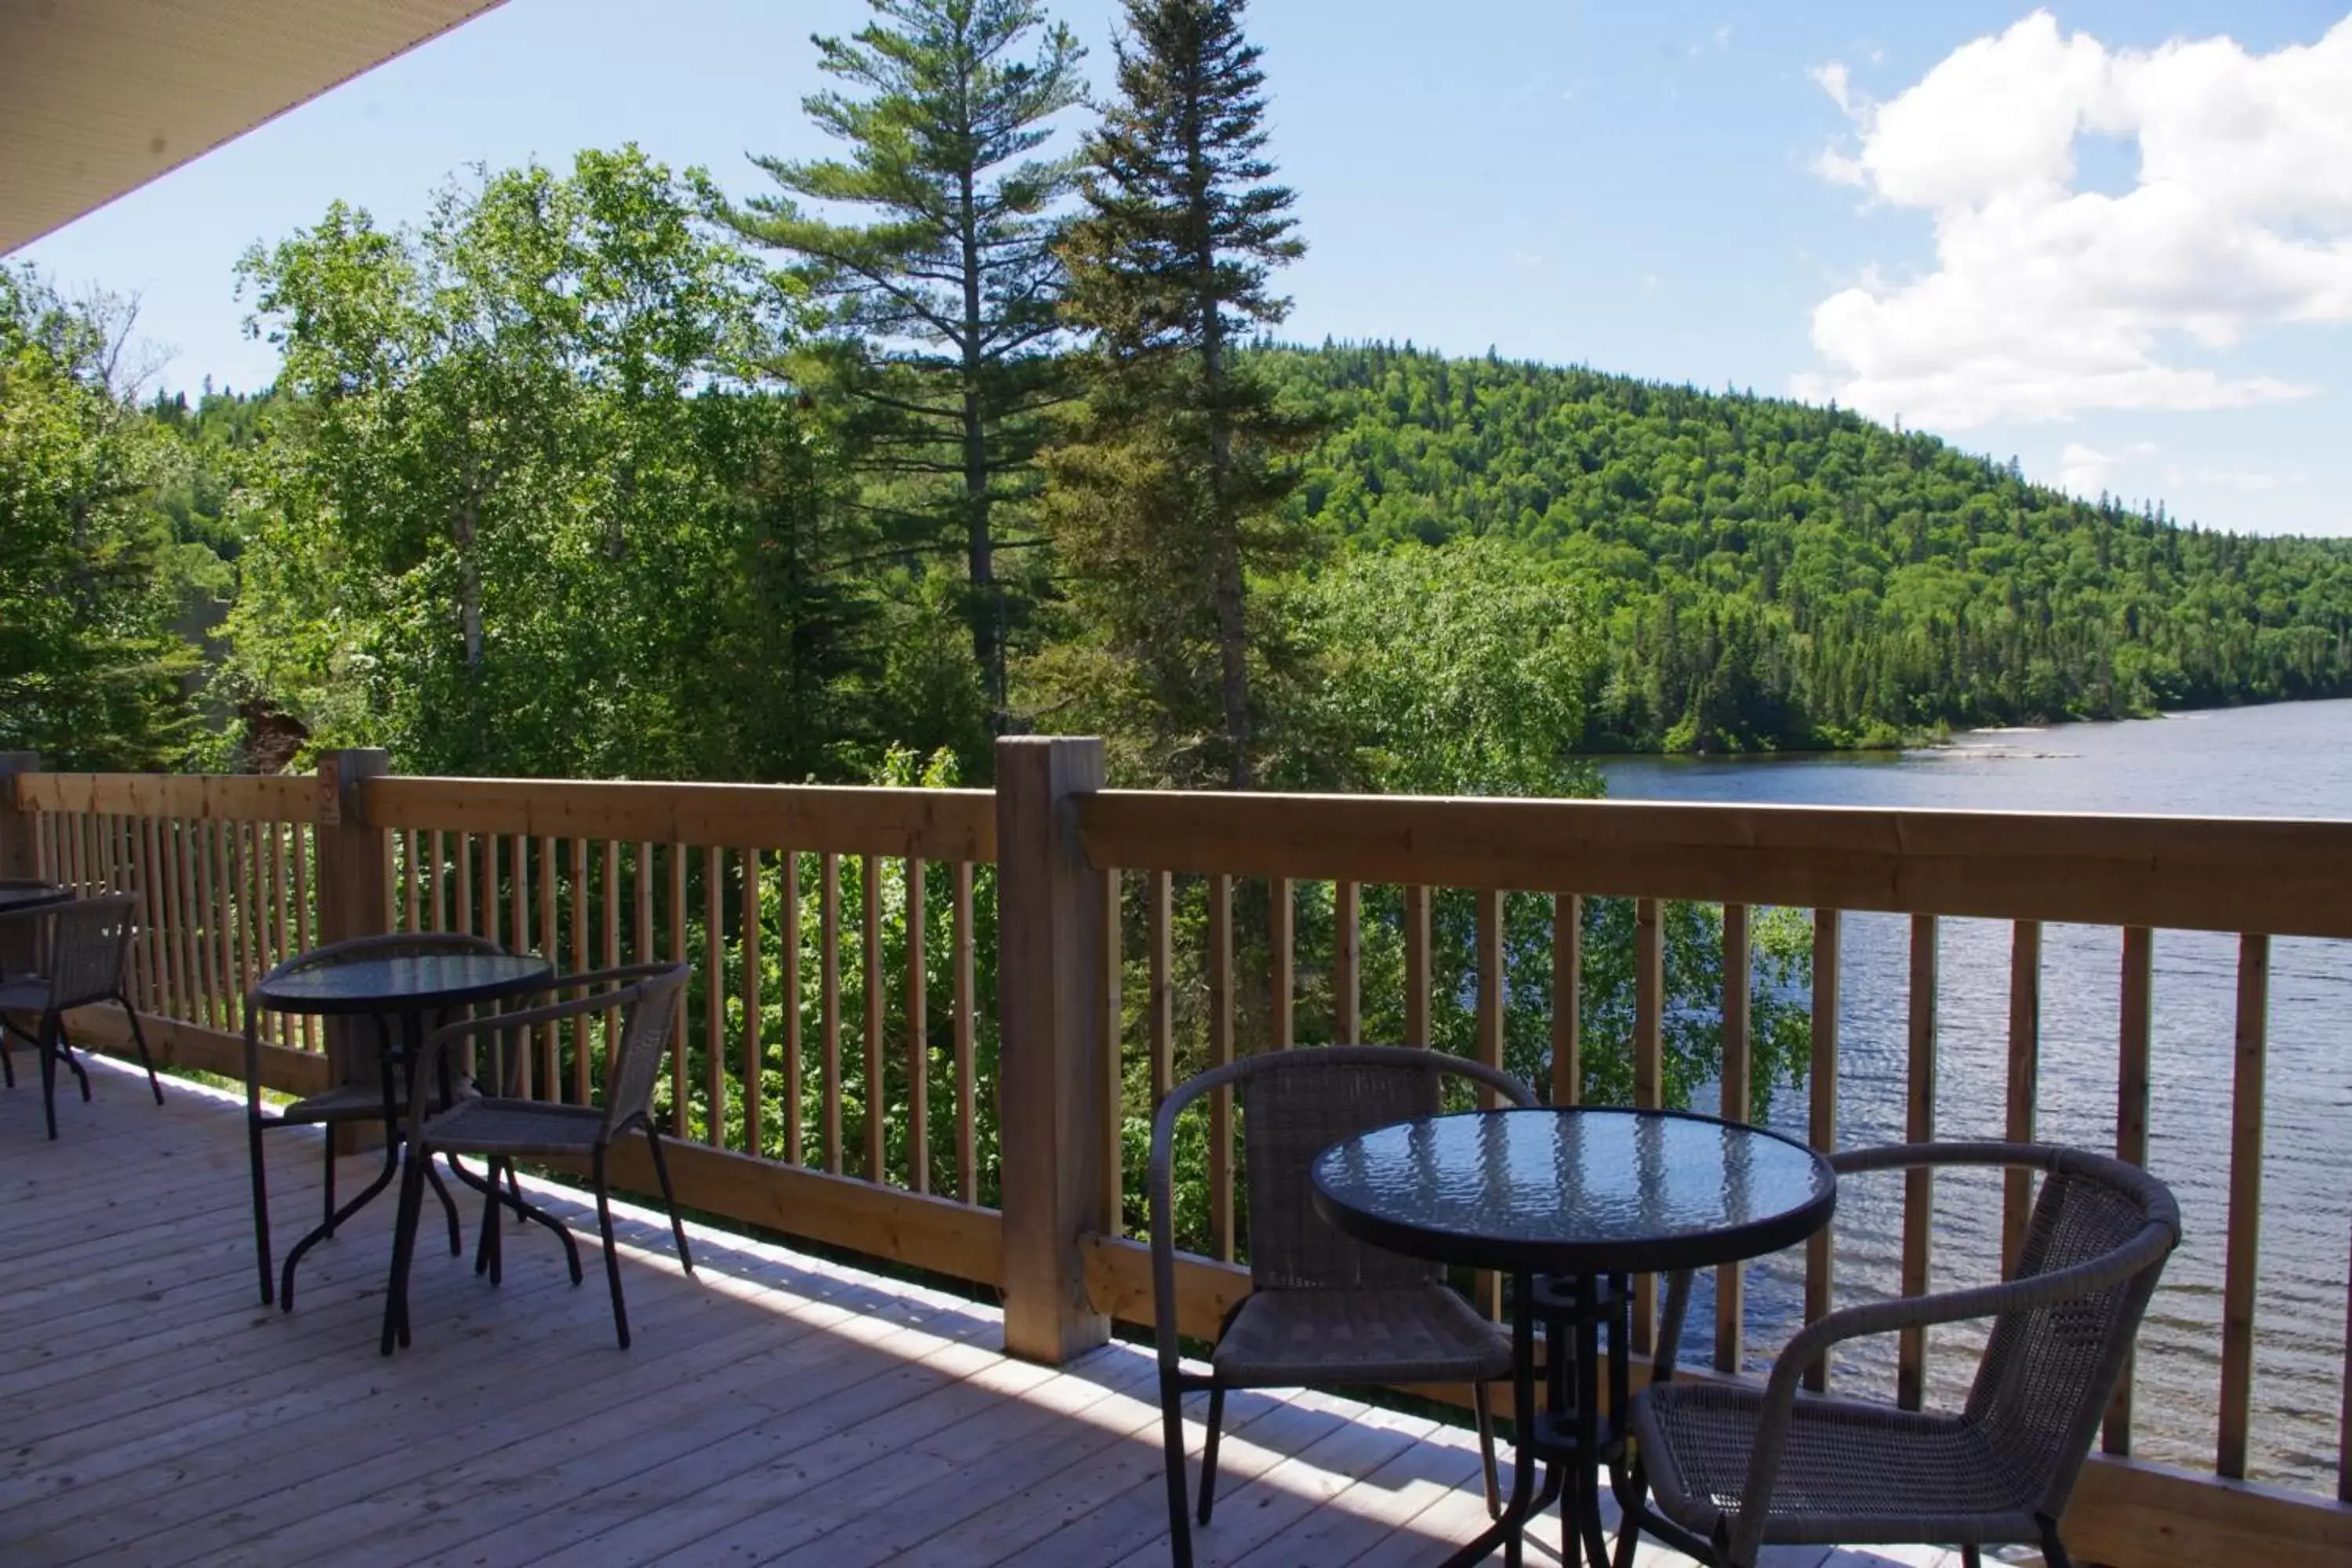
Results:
776 1407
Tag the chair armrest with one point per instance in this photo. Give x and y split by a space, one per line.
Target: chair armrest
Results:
599 985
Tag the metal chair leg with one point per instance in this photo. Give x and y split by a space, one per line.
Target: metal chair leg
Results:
1482 1400
1971 1558
404 1247
8 1067
2053 1550
48 1053
261 1209
1172 1437
327 1142
65 1055
490 1256
669 1199
612 1253
1209 1450
449 1210
138 1038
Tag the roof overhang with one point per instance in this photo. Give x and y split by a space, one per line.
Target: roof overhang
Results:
99 97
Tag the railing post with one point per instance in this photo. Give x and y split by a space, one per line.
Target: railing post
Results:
17 856
351 892
1051 1087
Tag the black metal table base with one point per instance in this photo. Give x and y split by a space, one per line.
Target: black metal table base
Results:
1569 1437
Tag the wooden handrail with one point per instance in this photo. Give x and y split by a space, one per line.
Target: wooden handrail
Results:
209 798
925 824
2282 878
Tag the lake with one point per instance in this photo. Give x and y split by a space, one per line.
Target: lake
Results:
2292 760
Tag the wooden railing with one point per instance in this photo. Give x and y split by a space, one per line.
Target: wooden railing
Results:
931 1026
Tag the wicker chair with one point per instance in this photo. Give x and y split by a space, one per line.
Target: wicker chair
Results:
1324 1309
89 943
504 1129
359 1097
1740 1468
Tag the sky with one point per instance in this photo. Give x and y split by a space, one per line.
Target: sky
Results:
2111 239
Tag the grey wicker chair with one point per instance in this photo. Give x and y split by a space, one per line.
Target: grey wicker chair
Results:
504 1129
1740 1468
1324 1309
359 1095
81 964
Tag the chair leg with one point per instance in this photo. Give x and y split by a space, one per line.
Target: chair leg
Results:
1970 1557
8 1067
261 1209
1172 1437
669 1199
47 1052
1482 1400
2053 1550
449 1210
327 1142
612 1253
138 1038
65 1055
1209 1450
489 1254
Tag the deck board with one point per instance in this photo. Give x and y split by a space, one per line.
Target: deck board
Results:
776 1407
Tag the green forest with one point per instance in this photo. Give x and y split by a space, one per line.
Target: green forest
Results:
839 468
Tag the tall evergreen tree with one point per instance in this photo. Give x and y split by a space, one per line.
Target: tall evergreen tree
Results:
1165 496
945 301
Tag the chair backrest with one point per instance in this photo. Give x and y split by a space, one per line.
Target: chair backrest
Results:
88 940
648 1009
1295 1105
2047 1371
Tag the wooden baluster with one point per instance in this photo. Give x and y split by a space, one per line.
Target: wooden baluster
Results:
550 947
615 910
527 1079
1282 968
1736 1104
2244 1245
1567 999
877 1092
1416 966
1822 1073
1920 1184
1221 1051
919 1042
165 996
678 922
2131 1127
241 924
966 999
216 1004
389 921
413 884
1108 1122
2024 1082
788 956
1347 964
306 850
581 964
178 910
439 890
489 889
1649 1072
828 936
1490 985
1160 922
2343 1409
464 911
714 991
755 1061
282 941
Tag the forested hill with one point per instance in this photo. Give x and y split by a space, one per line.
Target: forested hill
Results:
1776 574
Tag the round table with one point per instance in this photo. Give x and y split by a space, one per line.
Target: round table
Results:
409 988
1571 1202
32 897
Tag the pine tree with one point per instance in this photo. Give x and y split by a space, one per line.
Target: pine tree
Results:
945 303
1164 494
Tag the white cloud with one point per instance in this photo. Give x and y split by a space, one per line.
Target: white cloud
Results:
2047 300
2086 470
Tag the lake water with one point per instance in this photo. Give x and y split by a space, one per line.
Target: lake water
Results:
2293 760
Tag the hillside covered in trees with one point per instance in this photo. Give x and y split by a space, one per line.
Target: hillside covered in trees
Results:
1765 573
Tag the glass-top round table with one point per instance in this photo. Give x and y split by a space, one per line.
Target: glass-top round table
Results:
409 988
1571 1202
32 895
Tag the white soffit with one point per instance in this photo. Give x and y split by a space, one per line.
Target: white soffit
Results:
99 97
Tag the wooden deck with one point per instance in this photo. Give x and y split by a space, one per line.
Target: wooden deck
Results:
776 1408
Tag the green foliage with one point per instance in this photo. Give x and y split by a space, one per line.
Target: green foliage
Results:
515 515
946 337
91 669
1768 574
1164 486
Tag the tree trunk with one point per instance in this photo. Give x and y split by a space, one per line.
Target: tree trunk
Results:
987 604
1226 587
469 585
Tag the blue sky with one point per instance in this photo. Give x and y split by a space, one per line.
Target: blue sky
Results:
1864 201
